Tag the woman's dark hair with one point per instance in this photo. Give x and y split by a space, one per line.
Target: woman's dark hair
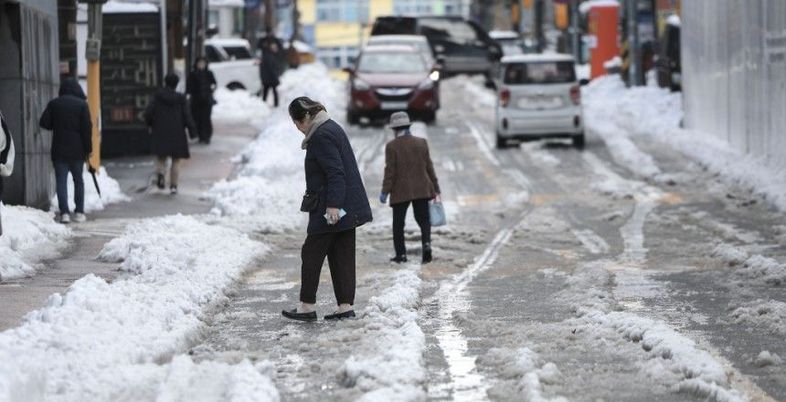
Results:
198 59
171 80
304 106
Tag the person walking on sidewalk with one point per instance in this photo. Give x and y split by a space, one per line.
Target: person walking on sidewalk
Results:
337 204
167 115
200 86
409 179
7 154
68 117
270 69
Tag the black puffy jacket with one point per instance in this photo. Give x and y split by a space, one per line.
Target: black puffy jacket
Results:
69 119
168 116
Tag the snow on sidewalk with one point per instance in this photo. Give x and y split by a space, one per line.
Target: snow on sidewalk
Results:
617 113
29 236
238 107
110 192
265 196
114 341
388 363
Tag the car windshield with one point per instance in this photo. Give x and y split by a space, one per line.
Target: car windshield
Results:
456 31
389 62
237 52
548 72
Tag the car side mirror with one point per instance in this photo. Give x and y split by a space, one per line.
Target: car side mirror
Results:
583 81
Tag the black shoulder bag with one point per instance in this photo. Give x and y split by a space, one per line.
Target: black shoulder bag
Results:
310 201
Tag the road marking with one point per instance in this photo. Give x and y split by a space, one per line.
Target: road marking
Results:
467 384
483 145
591 241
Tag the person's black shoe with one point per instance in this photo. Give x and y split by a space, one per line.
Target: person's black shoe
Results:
340 316
160 182
399 259
427 253
294 315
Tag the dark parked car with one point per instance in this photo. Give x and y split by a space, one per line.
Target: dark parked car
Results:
461 46
668 64
387 79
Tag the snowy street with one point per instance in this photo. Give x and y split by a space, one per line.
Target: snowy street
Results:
626 271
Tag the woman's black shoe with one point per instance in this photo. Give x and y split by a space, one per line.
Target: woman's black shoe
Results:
160 182
294 315
427 254
399 259
341 316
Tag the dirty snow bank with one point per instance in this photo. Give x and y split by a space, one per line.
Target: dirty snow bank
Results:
756 268
770 315
668 355
616 113
110 192
29 236
238 107
527 368
388 365
104 341
265 195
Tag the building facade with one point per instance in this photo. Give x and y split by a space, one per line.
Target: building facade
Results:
734 73
29 78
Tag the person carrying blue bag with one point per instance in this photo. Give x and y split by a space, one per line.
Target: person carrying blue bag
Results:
409 179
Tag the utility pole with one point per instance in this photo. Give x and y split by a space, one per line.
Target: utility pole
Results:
270 15
575 29
164 52
634 72
93 56
540 38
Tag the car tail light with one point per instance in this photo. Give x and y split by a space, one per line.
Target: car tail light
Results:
504 97
575 94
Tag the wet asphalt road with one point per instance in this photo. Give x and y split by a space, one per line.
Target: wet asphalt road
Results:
511 269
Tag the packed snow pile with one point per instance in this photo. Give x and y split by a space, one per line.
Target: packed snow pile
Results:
616 113
105 341
238 107
110 192
29 236
770 315
266 194
388 364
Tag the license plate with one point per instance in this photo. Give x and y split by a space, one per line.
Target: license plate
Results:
394 105
541 102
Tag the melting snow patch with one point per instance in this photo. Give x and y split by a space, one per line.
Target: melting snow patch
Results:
527 368
389 363
770 315
29 236
765 358
755 268
100 341
238 107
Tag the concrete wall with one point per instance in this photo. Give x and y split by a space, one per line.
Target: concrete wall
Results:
734 73
28 80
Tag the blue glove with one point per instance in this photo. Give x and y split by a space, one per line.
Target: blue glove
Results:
383 198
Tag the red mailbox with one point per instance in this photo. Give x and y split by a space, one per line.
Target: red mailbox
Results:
603 35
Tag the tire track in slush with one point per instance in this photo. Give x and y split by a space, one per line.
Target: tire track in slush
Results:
466 382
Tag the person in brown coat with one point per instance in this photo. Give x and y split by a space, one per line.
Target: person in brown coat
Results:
409 179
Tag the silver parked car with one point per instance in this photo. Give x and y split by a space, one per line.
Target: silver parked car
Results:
539 97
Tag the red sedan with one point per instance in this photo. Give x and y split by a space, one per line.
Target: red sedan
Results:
387 79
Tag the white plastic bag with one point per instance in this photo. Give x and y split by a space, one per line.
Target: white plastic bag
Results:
437 214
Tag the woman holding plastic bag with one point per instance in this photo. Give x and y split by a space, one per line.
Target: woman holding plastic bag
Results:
409 179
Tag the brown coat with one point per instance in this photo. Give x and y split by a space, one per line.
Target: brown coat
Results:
409 172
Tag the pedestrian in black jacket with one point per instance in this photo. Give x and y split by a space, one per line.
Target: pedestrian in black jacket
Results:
270 69
168 115
69 119
7 155
339 206
200 86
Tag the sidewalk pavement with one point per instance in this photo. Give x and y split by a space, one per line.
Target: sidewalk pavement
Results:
207 165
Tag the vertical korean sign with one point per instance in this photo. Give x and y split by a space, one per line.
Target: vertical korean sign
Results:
131 72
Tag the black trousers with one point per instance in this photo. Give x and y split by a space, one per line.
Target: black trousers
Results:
420 207
202 111
265 89
339 248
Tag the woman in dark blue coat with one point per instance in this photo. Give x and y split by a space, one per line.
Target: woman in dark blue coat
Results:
337 204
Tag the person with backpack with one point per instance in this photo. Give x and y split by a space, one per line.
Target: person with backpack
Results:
409 179
68 117
7 155
168 115
200 86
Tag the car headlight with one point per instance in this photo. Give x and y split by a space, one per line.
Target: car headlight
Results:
439 48
360 85
434 75
426 84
